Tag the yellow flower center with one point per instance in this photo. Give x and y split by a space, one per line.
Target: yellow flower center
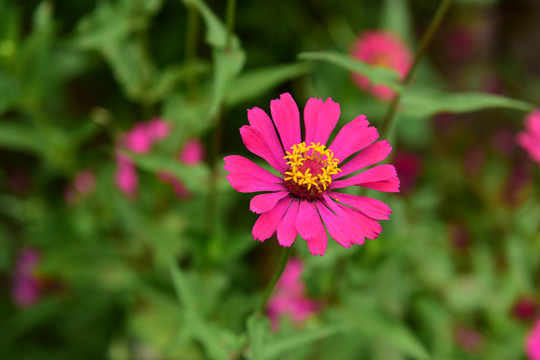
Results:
310 170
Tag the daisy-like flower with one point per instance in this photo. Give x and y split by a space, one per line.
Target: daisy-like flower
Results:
530 139
382 49
532 342
303 196
290 298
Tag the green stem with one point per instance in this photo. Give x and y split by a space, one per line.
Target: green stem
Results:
191 51
277 274
231 9
389 120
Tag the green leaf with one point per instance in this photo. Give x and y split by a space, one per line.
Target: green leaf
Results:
169 77
216 32
258 327
425 104
18 137
254 83
377 75
227 64
277 347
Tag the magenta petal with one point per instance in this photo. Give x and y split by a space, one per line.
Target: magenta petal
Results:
381 177
256 143
353 137
373 154
335 227
310 228
249 183
266 202
268 222
370 227
286 231
259 120
287 119
373 208
236 164
320 119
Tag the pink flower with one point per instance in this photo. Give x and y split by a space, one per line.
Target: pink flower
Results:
532 342
26 288
289 298
126 175
192 152
82 185
304 192
171 179
530 139
525 308
382 49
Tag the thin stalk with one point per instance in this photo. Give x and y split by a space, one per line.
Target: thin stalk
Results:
389 120
277 274
192 34
231 10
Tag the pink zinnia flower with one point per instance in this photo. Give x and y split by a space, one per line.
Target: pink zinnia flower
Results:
126 175
530 139
192 153
26 288
532 342
383 49
304 193
289 298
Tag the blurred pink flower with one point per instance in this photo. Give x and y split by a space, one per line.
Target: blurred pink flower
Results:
126 175
171 179
83 184
408 167
381 48
139 139
26 289
289 298
530 139
532 342
468 339
192 153
525 308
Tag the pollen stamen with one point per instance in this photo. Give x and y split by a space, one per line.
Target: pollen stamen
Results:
310 169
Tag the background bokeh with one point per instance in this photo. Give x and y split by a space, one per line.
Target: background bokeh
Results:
170 270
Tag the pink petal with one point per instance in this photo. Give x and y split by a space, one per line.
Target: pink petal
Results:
373 154
286 231
259 120
353 137
335 227
310 228
370 227
256 143
266 202
236 164
287 119
320 119
192 152
268 222
381 177
373 208
249 183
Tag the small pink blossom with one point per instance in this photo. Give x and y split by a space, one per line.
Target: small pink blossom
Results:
530 139
83 184
290 298
126 175
532 342
304 195
525 308
158 129
26 289
382 49
192 153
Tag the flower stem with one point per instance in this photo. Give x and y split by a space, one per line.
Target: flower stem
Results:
231 8
389 121
277 274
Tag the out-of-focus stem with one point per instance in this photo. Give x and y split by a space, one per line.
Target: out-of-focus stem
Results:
389 121
191 51
277 274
